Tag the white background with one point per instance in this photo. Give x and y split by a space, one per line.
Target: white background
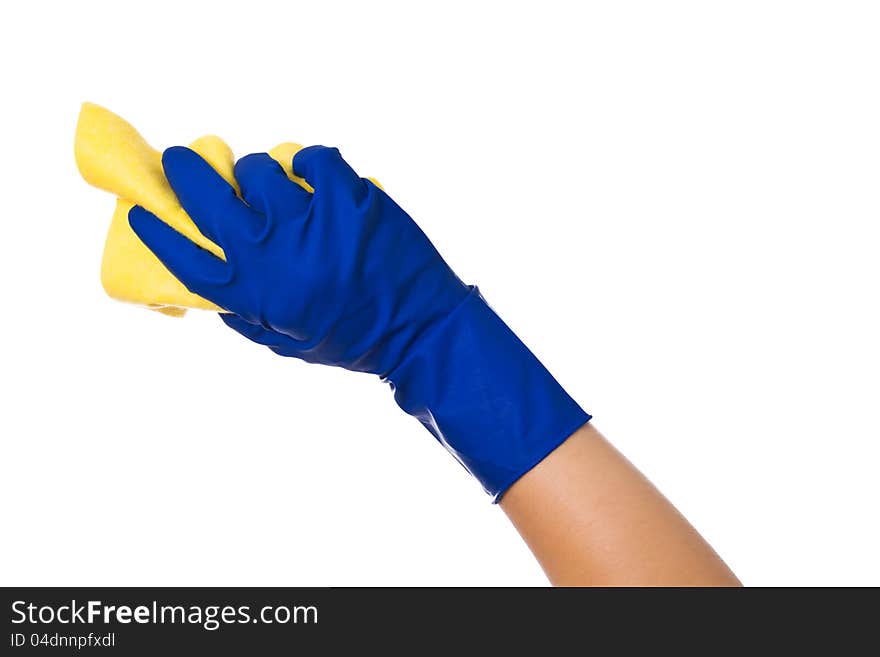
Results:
674 204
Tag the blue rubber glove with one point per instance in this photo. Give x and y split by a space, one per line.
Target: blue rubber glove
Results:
345 277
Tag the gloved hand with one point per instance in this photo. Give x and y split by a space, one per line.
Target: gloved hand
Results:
345 277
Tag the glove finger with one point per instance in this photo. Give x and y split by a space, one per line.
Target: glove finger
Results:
208 199
200 271
265 186
277 342
325 170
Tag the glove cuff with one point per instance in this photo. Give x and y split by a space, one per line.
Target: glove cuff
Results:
479 390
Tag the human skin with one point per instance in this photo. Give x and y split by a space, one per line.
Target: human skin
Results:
592 519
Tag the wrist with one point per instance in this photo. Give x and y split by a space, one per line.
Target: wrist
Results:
479 390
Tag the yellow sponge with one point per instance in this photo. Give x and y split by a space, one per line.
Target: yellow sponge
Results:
112 155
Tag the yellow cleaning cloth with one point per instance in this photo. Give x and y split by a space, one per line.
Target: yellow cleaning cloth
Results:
112 155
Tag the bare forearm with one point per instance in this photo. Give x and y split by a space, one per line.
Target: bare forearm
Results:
591 518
